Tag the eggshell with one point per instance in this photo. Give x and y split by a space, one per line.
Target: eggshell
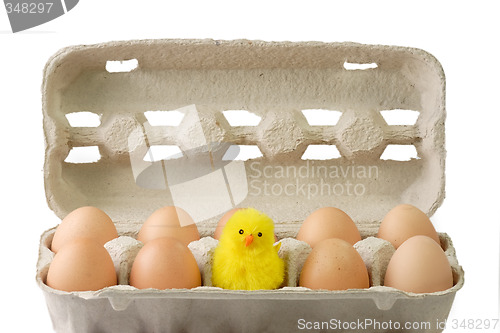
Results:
403 222
169 221
419 265
328 222
86 222
81 265
165 263
222 222
334 264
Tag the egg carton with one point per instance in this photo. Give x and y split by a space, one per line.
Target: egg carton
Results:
136 125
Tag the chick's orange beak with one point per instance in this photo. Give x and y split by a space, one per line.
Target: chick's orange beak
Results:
248 240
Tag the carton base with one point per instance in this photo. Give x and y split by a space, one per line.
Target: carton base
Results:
233 312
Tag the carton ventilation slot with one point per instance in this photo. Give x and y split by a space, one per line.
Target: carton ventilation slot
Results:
322 117
79 155
83 119
162 152
400 153
121 66
164 118
321 152
241 118
242 153
359 66
400 117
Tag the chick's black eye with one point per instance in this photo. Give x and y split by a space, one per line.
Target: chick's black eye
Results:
241 231
259 234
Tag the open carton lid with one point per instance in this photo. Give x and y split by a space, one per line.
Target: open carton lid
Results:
171 122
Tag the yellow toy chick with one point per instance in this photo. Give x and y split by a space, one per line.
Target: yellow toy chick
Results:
246 258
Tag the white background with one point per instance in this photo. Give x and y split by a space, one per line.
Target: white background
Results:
463 36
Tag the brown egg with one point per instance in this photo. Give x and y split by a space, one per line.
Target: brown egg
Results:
165 263
86 222
403 222
169 221
328 222
223 221
81 265
334 264
419 265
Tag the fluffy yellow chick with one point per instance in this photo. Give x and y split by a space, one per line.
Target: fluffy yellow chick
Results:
245 258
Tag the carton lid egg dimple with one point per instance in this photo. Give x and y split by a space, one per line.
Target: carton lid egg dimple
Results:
209 125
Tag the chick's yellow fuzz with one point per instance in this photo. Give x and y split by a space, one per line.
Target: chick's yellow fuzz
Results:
245 258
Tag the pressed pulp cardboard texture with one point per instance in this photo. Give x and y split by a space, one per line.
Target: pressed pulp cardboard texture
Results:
199 80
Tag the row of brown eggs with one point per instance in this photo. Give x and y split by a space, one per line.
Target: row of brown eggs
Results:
419 264
165 261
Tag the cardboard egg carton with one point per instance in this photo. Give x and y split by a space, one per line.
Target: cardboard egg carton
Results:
158 132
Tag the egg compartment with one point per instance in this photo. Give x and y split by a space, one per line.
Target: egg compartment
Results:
177 96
